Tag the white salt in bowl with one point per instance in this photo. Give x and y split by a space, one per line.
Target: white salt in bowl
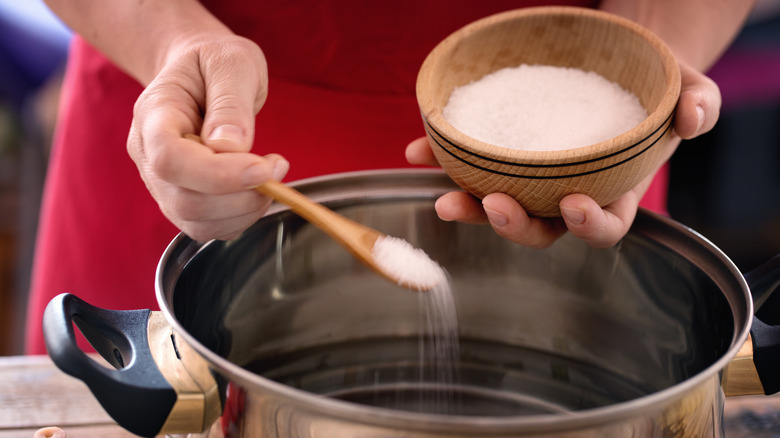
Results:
619 50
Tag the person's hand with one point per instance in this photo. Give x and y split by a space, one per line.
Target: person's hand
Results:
697 111
213 89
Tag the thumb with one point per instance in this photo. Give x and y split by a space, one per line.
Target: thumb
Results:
236 87
699 104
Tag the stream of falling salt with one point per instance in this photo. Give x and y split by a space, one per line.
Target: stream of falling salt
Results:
439 349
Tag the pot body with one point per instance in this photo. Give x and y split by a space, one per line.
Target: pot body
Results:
564 341
697 414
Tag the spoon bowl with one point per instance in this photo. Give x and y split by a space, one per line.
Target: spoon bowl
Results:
358 239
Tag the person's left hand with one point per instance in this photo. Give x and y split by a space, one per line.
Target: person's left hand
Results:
697 111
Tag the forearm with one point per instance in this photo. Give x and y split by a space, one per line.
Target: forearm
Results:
137 35
698 31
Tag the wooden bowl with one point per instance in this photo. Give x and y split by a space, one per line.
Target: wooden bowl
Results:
616 48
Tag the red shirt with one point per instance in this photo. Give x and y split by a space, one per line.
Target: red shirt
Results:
346 68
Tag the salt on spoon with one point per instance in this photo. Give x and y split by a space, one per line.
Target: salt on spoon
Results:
408 264
391 257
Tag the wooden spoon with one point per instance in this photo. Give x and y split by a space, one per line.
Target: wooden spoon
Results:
356 238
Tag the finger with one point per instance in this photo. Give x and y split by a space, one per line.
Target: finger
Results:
195 166
163 113
599 228
236 87
203 216
189 206
223 229
461 207
419 152
699 104
510 221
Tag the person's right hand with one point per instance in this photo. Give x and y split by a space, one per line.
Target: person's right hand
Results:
212 88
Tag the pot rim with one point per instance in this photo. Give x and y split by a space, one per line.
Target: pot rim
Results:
677 237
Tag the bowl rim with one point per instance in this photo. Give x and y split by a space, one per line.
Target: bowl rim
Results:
656 120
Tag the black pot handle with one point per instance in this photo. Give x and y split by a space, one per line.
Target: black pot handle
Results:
135 394
764 283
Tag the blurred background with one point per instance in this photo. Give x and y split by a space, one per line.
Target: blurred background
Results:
725 184
33 50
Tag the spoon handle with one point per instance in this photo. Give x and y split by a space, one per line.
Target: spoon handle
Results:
355 237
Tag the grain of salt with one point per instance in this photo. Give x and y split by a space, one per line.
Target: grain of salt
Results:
542 107
410 265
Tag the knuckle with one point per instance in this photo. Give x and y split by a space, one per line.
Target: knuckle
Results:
220 180
227 102
198 231
188 210
183 206
162 162
242 58
156 93
135 147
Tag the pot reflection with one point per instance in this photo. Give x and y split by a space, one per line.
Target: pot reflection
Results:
248 414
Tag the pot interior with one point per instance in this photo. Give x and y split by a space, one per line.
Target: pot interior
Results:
567 328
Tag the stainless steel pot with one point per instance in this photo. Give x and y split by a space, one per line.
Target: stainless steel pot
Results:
282 329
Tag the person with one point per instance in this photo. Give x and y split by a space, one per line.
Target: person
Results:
286 89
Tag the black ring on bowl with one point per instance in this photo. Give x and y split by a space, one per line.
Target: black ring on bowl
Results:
666 126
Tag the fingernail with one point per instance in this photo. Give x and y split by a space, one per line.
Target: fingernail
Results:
700 118
231 133
496 218
254 175
573 215
279 169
